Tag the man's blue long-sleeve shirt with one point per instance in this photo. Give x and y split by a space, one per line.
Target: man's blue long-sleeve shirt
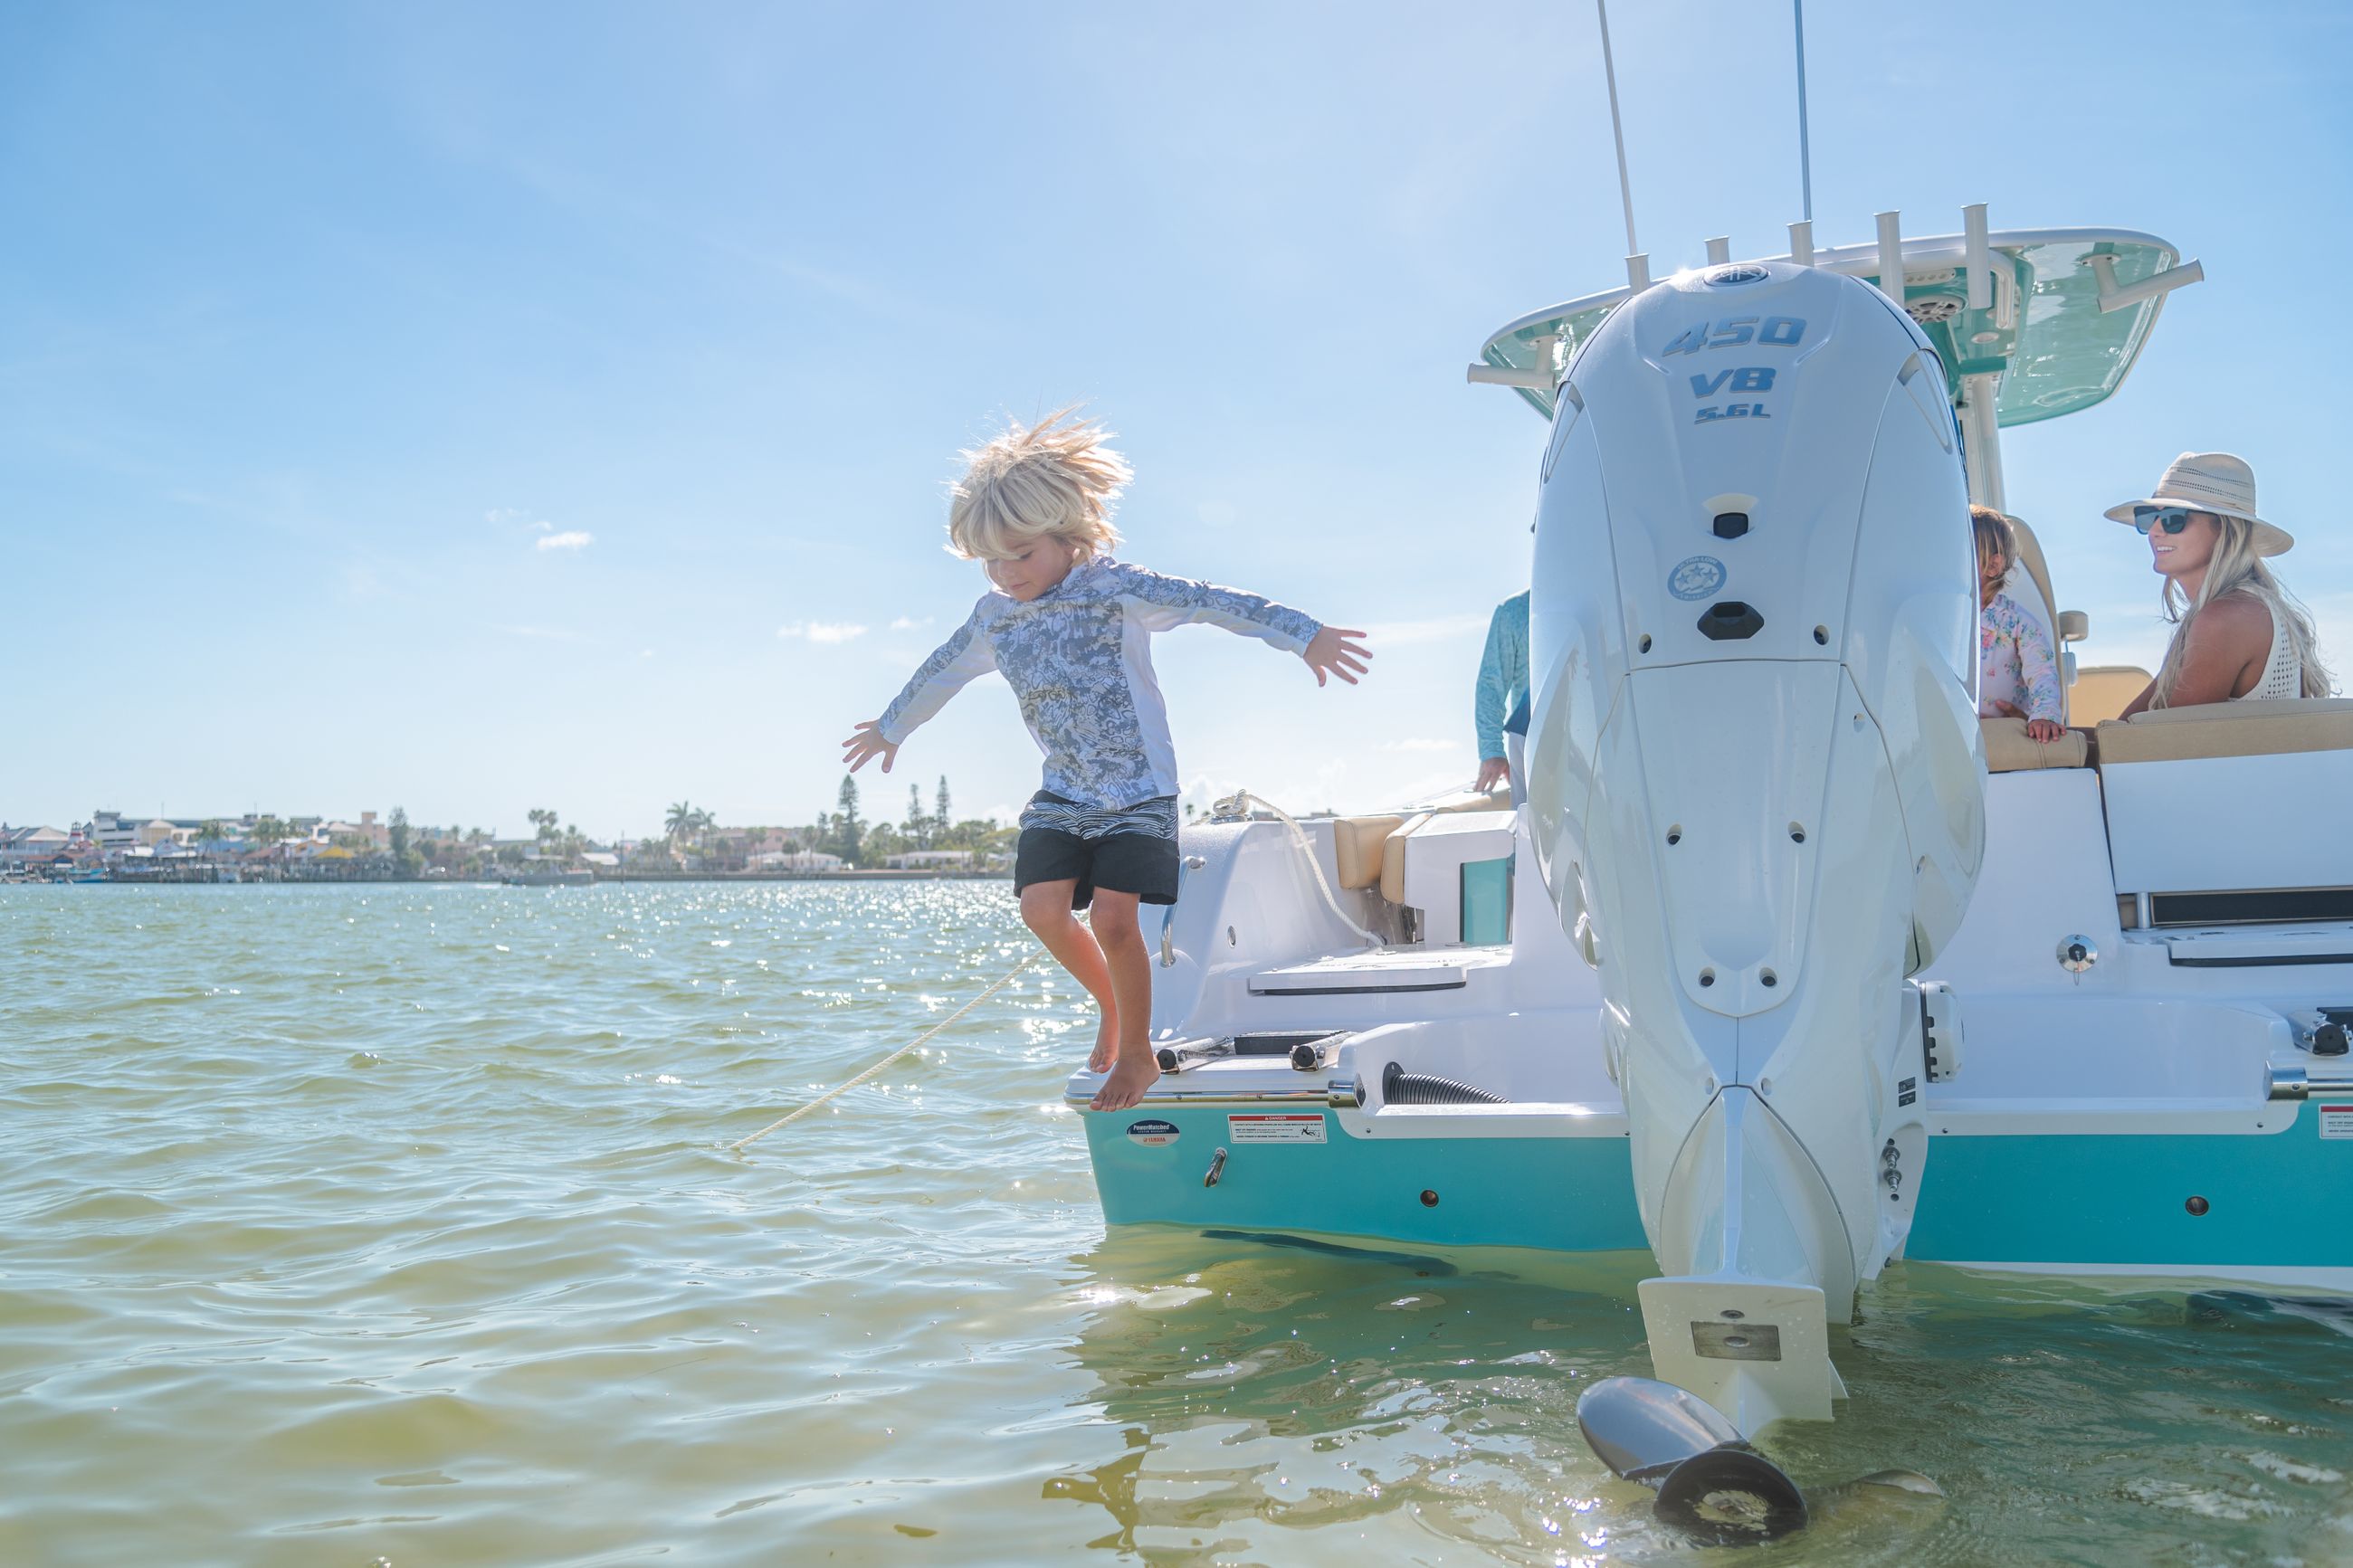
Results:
1502 673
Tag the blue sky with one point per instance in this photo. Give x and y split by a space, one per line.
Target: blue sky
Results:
471 408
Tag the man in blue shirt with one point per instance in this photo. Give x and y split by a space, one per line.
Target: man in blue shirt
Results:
1503 698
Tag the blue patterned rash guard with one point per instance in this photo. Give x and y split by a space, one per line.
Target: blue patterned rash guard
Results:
1079 658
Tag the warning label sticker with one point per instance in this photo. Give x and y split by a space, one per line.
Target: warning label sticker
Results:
2336 1120
1285 1128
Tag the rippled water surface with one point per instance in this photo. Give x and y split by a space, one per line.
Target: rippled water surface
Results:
347 1224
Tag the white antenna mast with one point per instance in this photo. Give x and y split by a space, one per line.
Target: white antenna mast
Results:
1637 266
1805 149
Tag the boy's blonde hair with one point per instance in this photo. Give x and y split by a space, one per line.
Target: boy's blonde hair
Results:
1057 477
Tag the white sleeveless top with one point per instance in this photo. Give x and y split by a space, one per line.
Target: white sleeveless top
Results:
2283 672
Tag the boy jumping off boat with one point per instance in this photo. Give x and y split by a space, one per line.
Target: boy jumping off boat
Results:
1070 628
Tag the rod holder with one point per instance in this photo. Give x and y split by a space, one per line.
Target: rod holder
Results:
1979 256
1891 257
1719 250
1536 379
1801 242
2115 298
1638 271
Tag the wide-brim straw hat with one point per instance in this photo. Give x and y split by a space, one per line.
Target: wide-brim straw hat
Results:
2218 482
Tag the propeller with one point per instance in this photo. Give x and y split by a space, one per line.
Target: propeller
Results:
1712 1485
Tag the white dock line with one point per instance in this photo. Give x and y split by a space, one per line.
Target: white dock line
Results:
994 986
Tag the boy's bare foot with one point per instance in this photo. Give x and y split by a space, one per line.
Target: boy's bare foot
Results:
1135 1072
1106 1049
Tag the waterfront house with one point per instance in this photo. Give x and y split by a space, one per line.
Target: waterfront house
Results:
23 846
930 859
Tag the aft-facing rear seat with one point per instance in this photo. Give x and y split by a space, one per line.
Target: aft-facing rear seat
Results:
2243 799
2241 729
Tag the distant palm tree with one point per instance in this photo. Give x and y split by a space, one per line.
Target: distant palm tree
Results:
681 819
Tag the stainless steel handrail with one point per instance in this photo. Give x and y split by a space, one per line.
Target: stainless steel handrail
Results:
1318 1095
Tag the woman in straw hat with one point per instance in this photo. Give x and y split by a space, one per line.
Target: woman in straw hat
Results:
2239 636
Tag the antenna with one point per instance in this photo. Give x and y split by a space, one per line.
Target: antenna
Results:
1805 148
1637 266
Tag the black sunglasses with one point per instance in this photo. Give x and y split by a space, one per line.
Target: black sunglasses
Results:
2172 518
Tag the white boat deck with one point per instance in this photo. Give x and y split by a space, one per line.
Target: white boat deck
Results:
1382 970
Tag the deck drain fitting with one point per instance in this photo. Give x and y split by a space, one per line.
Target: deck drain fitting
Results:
1429 1197
2197 1205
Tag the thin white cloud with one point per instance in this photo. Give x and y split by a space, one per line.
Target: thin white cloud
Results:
1421 743
571 539
821 631
909 623
503 514
1441 628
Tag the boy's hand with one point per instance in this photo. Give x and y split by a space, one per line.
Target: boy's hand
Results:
865 744
1331 653
2043 729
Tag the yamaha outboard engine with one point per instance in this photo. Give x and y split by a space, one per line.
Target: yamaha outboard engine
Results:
1756 785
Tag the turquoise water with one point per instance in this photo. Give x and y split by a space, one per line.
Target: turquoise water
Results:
376 1223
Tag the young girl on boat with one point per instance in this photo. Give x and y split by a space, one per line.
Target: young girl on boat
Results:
1069 629
2017 677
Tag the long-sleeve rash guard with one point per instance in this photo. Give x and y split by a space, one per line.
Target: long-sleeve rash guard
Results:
1503 674
1078 657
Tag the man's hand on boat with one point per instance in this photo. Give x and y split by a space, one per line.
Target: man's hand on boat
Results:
1492 770
1333 651
865 744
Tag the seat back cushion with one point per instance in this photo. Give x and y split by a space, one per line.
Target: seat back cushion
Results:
1357 844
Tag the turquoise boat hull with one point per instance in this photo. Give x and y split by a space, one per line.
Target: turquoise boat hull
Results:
2109 1203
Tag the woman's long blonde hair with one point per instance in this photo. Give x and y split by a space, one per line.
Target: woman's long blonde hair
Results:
1057 477
2235 568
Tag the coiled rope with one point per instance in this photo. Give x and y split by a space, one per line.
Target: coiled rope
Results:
999 984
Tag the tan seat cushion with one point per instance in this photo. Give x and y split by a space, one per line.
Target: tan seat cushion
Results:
2102 691
1393 858
1470 800
1357 845
2230 729
2009 749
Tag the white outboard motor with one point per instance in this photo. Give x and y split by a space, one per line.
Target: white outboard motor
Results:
1756 785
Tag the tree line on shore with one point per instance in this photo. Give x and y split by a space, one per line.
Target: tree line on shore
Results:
691 840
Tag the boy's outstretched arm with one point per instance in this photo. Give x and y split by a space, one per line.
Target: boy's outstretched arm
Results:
1164 602
952 666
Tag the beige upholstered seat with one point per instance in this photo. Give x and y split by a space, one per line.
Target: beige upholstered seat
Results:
1357 844
2230 729
2102 690
2009 750
1393 858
